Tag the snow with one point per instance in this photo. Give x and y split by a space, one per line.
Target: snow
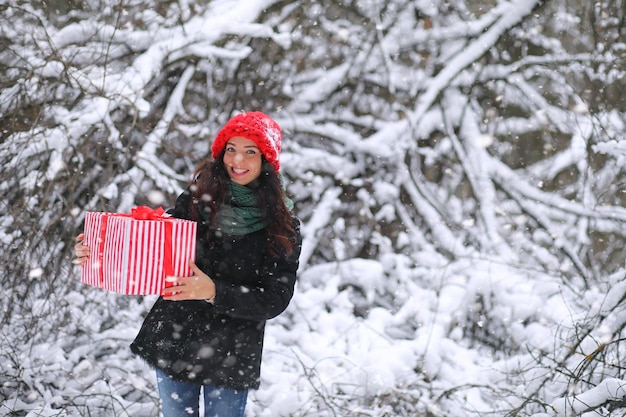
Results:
458 315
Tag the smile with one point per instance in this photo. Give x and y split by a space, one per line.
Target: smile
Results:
238 171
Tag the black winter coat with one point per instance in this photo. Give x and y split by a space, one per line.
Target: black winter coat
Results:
221 344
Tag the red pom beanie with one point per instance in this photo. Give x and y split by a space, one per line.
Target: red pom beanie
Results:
256 126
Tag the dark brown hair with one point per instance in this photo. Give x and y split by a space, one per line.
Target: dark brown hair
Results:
208 192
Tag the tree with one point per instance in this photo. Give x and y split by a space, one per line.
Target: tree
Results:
478 143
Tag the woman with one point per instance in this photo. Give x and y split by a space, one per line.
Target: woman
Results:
206 331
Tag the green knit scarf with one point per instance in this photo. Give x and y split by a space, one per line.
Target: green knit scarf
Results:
241 214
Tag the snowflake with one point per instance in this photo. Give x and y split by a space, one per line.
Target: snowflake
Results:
272 134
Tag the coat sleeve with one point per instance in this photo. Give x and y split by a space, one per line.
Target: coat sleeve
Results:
181 208
270 296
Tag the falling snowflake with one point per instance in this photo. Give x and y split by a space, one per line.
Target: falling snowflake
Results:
272 134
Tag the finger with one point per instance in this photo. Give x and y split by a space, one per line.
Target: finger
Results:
81 248
194 267
82 251
170 290
170 294
175 281
79 260
80 237
197 272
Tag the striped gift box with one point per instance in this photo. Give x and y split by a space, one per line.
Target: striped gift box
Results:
133 253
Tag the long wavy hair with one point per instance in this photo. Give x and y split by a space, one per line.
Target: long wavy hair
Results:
208 192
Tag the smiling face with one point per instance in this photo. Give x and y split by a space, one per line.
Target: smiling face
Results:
242 160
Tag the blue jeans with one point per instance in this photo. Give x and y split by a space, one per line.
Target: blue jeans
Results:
182 399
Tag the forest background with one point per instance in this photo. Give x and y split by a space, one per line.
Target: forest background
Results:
459 168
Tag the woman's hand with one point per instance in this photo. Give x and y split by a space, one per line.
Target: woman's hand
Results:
81 251
196 287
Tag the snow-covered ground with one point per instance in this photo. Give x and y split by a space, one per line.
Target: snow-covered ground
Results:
500 186
343 347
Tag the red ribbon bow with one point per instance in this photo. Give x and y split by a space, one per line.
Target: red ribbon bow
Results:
146 213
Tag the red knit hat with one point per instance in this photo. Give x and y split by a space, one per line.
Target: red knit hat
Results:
256 126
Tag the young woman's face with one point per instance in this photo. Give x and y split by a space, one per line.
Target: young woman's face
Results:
242 160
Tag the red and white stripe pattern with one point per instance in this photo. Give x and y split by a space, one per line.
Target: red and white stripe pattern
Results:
131 256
